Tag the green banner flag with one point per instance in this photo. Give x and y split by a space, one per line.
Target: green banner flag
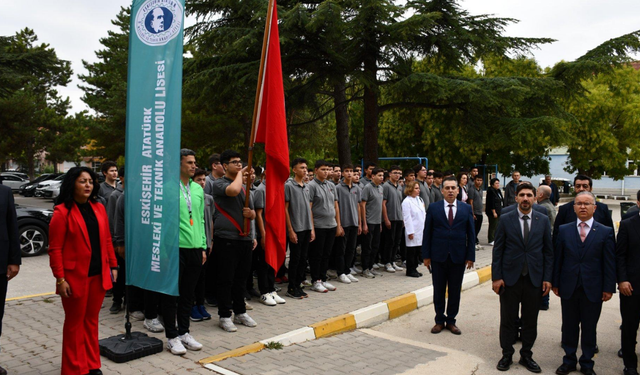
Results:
154 95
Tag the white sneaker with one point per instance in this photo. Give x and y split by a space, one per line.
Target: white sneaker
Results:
227 325
332 274
175 346
189 342
267 299
352 278
389 268
277 298
305 283
397 267
375 266
358 269
245 320
479 247
318 287
380 265
247 306
329 286
136 315
153 325
352 271
344 279
368 274
491 243
376 273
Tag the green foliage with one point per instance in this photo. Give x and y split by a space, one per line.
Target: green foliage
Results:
273 345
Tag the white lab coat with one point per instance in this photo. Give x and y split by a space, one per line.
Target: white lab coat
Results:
413 214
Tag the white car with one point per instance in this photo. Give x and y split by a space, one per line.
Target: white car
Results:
12 181
40 190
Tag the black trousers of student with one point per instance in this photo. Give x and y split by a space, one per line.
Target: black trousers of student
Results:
493 225
630 310
320 252
478 222
135 298
522 293
233 267
579 318
298 253
210 277
412 258
200 284
155 302
344 250
446 274
266 274
370 246
391 241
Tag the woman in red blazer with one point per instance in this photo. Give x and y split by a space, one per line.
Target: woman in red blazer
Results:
84 264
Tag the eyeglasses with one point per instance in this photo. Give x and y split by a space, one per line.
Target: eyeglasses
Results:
236 162
583 204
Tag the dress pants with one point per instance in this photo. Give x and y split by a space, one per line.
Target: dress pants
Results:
370 246
447 274
320 252
298 259
190 265
233 267
412 258
493 225
345 250
579 316
522 293
391 241
630 310
80 350
119 286
3 296
266 274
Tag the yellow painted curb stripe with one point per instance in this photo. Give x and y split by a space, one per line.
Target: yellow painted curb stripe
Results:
484 274
247 349
332 326
30 296
401 305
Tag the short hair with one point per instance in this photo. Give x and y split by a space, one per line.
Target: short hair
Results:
297 161
587 193
429 174
450 178
108 165
336 166
409 186
437 174
186 152
199 172
583 177
369 164
493 181
376 171
347 166
214 158
448 172
121 172
68 185
418 167
407 172
547 175
514 172
321 163
395 168
478 177
258 170
525 185
228 155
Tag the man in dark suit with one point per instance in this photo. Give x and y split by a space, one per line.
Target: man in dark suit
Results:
584 275
521 269
628 272
10 258
555 194
448 245
633 211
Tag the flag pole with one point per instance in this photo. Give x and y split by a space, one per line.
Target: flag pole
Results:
252 136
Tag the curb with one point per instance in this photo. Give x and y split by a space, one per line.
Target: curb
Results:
362 318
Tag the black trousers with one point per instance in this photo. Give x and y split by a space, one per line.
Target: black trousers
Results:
630 310
522 293
200 284
446 274
3 296
370 246
298 253
233 267
266 274
320 252
478 222
391 241
345 250
120 284
493 225
166 304
579 317
412 258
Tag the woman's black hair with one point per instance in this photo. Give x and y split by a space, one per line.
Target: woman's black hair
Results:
493 181
69 184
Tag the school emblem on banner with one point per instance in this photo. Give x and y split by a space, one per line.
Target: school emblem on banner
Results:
159 21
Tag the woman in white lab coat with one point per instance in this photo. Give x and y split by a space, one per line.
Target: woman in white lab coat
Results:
414 213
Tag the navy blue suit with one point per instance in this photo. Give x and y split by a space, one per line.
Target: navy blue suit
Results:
582 272
448 247
9 241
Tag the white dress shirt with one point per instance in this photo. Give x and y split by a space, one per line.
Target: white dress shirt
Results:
446 208
588 229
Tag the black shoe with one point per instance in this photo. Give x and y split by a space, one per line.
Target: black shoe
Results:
109 293
211 302
3 371
596 350
630 371
95 372
413 274
115 308
620 353
420 273
505 363
544 307
565 369
587 371
294 293
530 364
302 293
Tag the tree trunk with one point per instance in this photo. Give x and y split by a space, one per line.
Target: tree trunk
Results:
342 123
370 110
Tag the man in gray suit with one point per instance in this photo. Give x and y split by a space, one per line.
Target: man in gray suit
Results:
522 269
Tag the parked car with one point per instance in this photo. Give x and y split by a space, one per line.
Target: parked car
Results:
12 181
40 189
52 191
29 188
33 229
15 173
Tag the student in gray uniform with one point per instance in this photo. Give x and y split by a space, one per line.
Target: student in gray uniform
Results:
421 177
371 206
110 172
349 197
299 226
216 172
326 223
368 169
392 216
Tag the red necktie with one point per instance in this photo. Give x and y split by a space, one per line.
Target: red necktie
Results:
450 215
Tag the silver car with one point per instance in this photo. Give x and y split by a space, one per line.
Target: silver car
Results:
12 181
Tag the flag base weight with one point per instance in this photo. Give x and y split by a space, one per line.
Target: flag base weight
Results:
121 349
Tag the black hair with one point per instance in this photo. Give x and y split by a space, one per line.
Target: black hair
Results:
450 178
68 186
228 155
376 171
258 170
417 168
395 168
524 186
437 174
186 152
369 164
493 181
199 172
108 165
297 161
478 177
121 172
407 172
347 166
321 163
214 158
429 173
448 172
460 175
583 177
638 195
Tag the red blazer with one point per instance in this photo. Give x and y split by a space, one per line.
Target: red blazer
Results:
70 248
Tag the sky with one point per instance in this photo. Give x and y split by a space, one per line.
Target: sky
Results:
74 27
